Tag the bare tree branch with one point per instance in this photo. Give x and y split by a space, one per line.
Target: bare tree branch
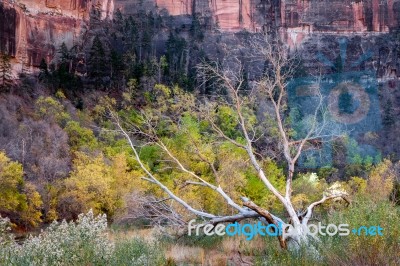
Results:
307 215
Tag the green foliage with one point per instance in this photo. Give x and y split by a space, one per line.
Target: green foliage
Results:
307 188
196 30
365 250
50 109
256 190
32 210
227 119
351 249
80 137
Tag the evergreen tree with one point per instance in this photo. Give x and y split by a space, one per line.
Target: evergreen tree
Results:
117 65
176 56
388 115
64 53
44 72
346 103
63 74
339 67
5 72
195 29
97 62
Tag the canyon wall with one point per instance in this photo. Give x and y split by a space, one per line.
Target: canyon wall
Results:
314 15
34 29
297 19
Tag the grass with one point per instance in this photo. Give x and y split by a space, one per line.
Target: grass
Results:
89 241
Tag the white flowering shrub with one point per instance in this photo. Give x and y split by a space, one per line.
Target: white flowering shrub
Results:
6 239
83 242
76 243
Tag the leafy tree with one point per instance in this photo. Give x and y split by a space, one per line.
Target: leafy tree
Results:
80 137
381 181
11 182
52 110
32 213
338 66
94 185
19 200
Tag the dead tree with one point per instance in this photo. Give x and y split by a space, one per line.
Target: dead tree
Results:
273 85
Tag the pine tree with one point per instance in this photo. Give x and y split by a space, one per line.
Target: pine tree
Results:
346 103
388 115
64 66
64 53
5 72
97 62
195 29
44 71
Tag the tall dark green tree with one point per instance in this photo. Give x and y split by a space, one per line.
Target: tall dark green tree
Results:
97 64
388 114
64 53
176 57
196 30
346 103
117 66
44 71
63 70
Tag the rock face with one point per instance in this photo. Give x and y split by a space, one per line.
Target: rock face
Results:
301 18
310 15
297 19
32 30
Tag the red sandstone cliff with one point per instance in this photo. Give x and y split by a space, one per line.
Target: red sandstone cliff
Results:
319 15
32 30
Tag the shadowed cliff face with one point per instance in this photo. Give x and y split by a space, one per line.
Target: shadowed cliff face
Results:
8 20
313 15
297 19
32 30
